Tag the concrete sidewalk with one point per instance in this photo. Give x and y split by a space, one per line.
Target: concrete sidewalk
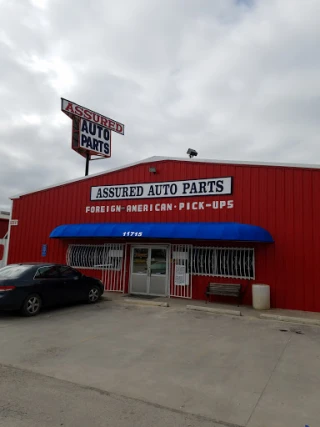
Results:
290 316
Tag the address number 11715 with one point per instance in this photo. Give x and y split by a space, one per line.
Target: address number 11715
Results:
132 234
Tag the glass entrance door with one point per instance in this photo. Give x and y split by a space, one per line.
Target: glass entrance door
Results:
158 271
149 271
139 272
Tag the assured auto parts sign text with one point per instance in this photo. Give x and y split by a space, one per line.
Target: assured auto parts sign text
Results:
199 187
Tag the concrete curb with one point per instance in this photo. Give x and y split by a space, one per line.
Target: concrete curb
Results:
290 319
145 302
214 310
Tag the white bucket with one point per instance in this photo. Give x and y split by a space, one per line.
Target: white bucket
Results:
261 297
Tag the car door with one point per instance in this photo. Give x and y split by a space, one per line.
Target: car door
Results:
47 281
72 283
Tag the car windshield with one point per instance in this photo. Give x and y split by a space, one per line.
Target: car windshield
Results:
13 271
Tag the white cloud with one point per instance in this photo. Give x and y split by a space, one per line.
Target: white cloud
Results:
60 74
32 119
41 4
234 79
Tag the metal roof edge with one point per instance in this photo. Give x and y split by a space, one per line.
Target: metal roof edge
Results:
179 159
241 163
5 215
82 178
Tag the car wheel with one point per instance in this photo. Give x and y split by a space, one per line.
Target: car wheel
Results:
94 294
31 305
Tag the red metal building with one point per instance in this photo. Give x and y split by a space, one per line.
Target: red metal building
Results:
4 227
171 226
4 223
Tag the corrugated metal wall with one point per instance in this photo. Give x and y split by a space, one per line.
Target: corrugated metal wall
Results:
283 200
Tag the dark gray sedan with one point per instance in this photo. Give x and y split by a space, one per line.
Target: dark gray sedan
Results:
28 287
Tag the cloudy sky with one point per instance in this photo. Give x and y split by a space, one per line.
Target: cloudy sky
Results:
234 79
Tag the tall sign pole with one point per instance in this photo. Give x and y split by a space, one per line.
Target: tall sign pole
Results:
87 163
91 132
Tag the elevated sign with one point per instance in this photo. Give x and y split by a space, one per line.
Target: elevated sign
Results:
95 138
91 132
74 110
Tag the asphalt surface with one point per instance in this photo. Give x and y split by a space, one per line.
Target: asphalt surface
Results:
33 400
123 365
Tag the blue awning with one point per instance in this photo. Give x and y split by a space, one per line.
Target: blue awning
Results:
230 231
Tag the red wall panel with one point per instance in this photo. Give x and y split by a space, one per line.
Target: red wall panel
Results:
4 225
283 200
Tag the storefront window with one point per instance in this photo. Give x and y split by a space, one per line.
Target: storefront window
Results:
96 257
222 262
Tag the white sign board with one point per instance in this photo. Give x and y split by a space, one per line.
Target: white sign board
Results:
95 138
198 187
73 109
180 275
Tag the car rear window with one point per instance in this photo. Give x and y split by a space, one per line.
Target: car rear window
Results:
13 271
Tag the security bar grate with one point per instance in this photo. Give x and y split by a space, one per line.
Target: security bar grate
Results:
181 265
86 256
114 271
223 262
108 258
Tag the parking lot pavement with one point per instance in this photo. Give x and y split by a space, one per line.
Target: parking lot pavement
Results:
246 372
33 400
